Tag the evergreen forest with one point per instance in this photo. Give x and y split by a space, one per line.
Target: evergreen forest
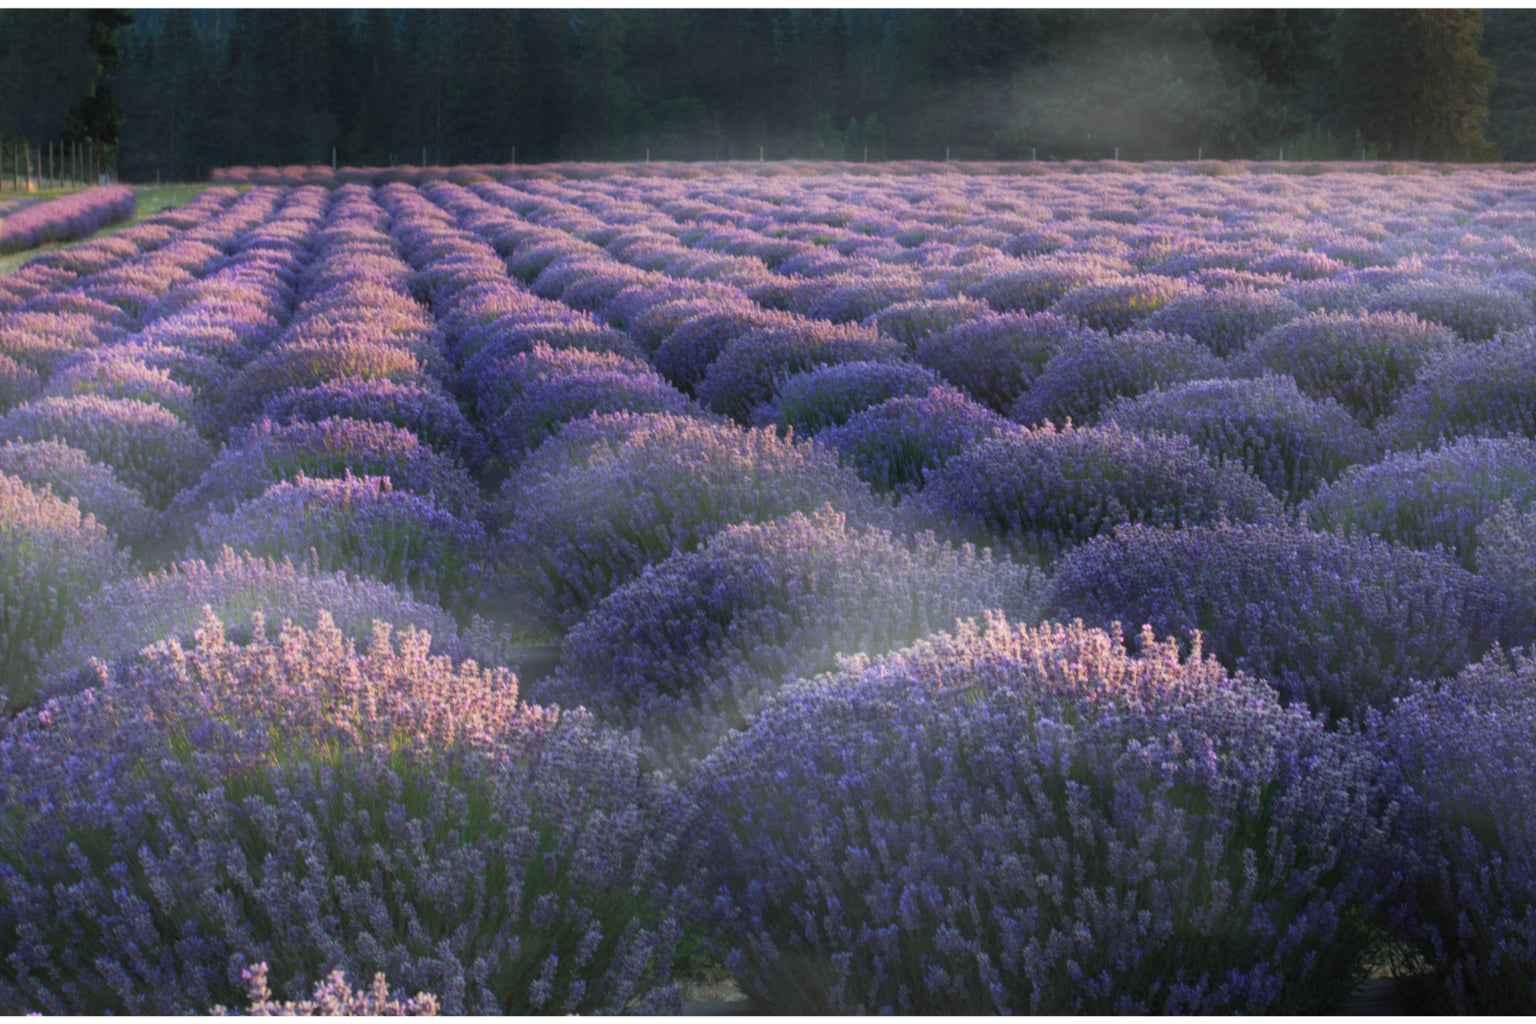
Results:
178 92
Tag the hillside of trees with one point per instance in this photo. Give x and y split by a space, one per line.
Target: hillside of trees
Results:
179 92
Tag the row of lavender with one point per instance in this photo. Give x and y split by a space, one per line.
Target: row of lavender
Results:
64 219
696 564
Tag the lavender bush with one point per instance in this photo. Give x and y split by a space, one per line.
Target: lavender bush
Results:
688 352
1486 390
297 364
147 446
126 377
911 322
1430 499
1363 361
425 410
267 452
995 358
897 445
811 401
693 646
123 617
548 403
671 483
1466 843
1289 441
317 808
1224 320
362 525
1117 306
1077 382
1022 820
1474 310
1339 625
51 558
71 474
748 371
1037 492
66 218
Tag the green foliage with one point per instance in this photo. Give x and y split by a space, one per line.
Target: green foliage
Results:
1415 83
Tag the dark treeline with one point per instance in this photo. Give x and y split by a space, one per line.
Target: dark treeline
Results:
179 92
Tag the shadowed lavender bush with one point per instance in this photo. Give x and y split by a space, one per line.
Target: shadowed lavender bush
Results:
267 452
1289 441
70 474
42 341
1078 382
17 383
1430 499
686 354
333 997
548 403
148 447
1036 492
51 558
517 332
1506 550
1017 820
425 410
298 803
896 445
1117 306
1224 320
1340 625
994 358
1363 361
499 382
1474 310
123 617
911 322
693 646
362 525
1467 844
811 401
750 369
1486 390
669 485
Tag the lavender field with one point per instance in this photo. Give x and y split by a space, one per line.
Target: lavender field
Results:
1032 588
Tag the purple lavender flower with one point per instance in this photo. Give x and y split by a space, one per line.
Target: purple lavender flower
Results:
911 322
749 370
53 559
815 399
426 411
255 788
1079 381
67 218
1363 361
1224 320
124 617
897 445
1033 285
1118 305
1339 625
362 525
1022 820
994 358
147 446
1289 441
1430 499
1465 843
267 452
687 353
1474 310
584 529
333 997
1040 491
694 646
1486 390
